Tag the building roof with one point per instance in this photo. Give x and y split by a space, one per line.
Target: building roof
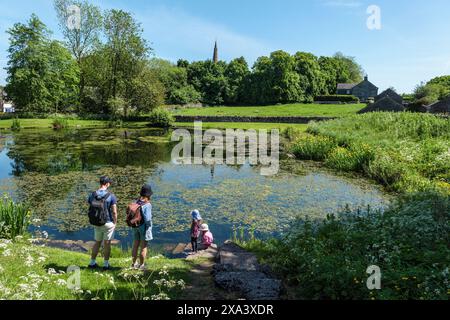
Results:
346 86
384 105
442 106
391 94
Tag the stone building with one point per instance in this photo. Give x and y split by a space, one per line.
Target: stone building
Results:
363 90
391 94
386 104
440 107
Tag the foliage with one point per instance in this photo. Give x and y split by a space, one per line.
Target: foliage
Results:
14 218
59 123
432 91
337 98
160 118
403 151
327 259
42 75
309 147
31 272
15 126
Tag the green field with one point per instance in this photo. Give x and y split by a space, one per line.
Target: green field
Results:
300 110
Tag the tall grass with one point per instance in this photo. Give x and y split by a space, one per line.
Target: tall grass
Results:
403 151
60 123
15 126
14 218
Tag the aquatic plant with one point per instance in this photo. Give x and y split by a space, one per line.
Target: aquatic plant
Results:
14 218
15 126
60 123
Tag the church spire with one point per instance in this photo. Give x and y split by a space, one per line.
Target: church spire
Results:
216 53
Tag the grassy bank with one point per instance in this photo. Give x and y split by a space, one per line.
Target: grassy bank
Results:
48 123
40 273
244 125
409 242
301 110
403 151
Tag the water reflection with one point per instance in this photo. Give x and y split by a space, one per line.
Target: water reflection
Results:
54 172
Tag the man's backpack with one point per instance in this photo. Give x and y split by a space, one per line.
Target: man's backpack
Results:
98 212
134 215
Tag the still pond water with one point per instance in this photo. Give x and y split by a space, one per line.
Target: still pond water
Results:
55 172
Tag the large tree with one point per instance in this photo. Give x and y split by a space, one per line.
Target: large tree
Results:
125 49
42 75
312 80
80 23
236 72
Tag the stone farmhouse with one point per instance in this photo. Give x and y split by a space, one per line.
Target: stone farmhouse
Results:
364 90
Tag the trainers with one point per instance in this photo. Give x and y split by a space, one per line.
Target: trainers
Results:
93 266
143 268
135 266
106 268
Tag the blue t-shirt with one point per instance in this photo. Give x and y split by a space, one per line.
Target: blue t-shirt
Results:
110 201
146 211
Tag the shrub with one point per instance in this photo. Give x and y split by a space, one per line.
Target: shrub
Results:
14 218
310 147
185 95
161 118
356 158
337 98
15 126
60 123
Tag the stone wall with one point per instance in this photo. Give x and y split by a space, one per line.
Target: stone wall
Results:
291 120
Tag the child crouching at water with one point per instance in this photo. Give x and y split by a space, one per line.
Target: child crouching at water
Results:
195 229
206 236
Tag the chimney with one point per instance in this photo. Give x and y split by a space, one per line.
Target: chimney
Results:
366 78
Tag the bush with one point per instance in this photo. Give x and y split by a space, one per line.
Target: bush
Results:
60 123
356 158
14 218
328 259
185 95
15 126
337 98
310 147
161 118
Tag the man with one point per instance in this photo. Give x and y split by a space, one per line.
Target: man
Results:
104 231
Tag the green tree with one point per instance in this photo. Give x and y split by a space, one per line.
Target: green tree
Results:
125 50
42 75
81 36
236 74
349 71
312 80
209 79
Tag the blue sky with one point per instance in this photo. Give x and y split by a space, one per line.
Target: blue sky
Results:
412 46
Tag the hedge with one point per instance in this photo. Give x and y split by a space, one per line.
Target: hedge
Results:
337 98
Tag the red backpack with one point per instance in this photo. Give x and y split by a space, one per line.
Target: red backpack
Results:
134 215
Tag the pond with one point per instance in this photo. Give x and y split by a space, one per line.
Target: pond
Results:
55 171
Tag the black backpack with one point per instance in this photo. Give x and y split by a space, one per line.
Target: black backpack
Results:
98 212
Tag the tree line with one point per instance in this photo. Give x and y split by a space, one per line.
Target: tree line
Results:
105 66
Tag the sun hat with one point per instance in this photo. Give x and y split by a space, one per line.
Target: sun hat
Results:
146 191
196 215
204 227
